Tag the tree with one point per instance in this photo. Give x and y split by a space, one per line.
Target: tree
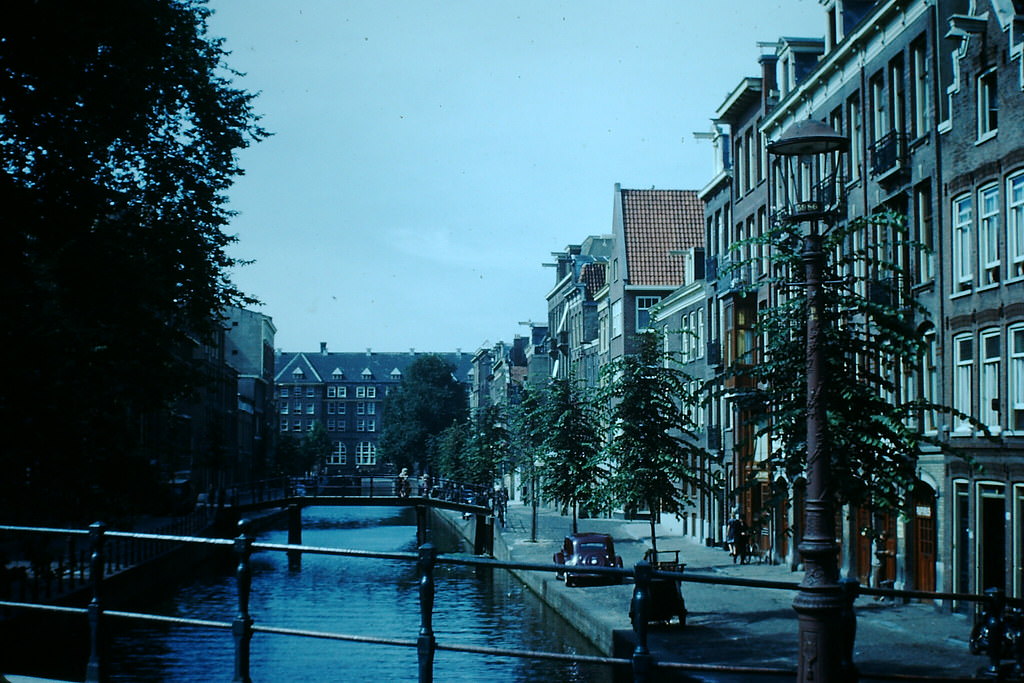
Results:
486 450
573 469
447 452
653 449
316 447
527 422
873 343
118 134
424 404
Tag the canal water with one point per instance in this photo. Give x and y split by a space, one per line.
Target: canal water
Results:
367 597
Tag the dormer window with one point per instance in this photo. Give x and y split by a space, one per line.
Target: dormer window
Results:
367 374
298 374
337 375
396 374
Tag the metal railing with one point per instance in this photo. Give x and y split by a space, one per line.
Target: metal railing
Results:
999 633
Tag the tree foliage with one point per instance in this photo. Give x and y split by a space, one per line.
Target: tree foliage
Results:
486 451
573 471
427 401
653 451
118 134
873 341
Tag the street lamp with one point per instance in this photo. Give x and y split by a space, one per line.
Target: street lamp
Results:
808 181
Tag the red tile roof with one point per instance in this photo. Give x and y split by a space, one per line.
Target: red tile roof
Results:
656 222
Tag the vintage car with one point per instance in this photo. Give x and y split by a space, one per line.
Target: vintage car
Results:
587 550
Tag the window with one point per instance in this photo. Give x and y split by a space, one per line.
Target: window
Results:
930 381
284 408
963 377
332 408
309 425
896 95
310 409
332 391
284 424
1015 225
310 392
339 455
284 392
297 407
371 408
341 409
342 425
360 425
643 311
739 169
361 408
923 235
988 105
962 217
856 132
988 389
371 392
617 319
342 392
330 425
360 392
1016 389
296 425
366 453
988 234
919 76
371 425
879 117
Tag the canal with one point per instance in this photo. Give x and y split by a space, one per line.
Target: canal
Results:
353 596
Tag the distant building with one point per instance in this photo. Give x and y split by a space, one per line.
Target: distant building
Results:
249 349
345 392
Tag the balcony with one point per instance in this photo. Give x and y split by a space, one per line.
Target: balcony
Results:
888 155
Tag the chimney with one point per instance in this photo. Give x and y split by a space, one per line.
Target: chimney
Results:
769 84
323 348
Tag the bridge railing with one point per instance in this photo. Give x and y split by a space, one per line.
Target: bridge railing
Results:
995 626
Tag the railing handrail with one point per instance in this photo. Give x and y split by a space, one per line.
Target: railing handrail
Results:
642 574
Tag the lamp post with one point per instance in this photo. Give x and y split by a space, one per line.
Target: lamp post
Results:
809 155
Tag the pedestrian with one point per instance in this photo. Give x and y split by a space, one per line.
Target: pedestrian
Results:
736 537
403 483
425 485
879 563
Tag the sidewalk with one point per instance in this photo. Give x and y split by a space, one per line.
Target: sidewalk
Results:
728 625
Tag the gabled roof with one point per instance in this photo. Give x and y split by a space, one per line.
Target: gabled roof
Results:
656 223
318 367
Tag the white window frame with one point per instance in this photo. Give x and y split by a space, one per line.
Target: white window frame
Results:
644 304
963 381
988 104
988 234
339 456
360 392
371 408
283 424
921 101
1015 226
366 453
990 352
342 392
332 391
1015 388
371 392
924 234
963 218
855 126
930 381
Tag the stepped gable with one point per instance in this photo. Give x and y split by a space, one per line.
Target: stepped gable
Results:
656 222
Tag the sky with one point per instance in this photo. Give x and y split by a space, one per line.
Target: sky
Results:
427 156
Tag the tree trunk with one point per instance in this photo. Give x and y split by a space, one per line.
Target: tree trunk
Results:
654 539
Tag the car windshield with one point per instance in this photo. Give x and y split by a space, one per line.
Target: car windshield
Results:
592 546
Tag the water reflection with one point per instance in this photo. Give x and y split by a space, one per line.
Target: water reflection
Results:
354 596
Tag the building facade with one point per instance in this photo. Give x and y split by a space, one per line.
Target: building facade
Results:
345 392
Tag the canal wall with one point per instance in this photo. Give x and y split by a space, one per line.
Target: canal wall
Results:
599 616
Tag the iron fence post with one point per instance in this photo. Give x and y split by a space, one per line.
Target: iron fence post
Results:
95 670
241 627
426 644
639 613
